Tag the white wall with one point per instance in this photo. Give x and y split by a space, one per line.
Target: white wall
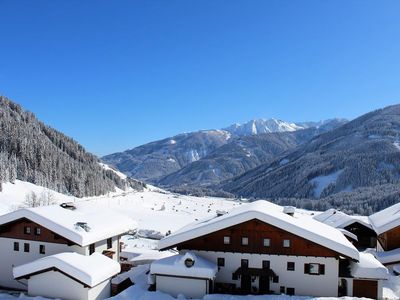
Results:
102 245
304 284
191 288
56 285
10 258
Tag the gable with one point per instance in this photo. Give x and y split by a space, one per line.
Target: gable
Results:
256 231
16 230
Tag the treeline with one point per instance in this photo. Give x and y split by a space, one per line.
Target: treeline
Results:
33 152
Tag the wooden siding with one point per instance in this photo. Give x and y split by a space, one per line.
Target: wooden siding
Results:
390 240
16 230
365 288
256 231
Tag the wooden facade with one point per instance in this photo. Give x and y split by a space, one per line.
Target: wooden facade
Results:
256 231
366 236
390 240
19 230
365 288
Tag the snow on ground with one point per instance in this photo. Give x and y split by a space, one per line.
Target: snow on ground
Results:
322 182
156 212
107 167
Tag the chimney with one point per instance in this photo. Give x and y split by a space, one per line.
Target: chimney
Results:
289 210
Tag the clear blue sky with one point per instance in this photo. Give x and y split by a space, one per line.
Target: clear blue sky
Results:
117 74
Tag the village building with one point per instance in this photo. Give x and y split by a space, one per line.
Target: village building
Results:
358 229
69 276
386 224
261 248
29 234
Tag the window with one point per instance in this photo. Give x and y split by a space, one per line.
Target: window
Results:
290 266
227 240
266 242
245 241
266 264
27 230
91 249
109 243
26 247
221 261
16 246
290 291
275 279
244 263
286 243
42 249
282 290
38 231
314 269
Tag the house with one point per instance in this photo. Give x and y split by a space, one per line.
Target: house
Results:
359 226
386 224
262 248
194 274
69 276
32 233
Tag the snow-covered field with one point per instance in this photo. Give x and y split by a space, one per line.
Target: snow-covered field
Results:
156 213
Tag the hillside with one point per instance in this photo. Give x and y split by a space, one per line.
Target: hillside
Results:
209 156
362 153
236 157
33 152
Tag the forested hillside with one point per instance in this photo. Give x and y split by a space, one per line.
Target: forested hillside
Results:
345 164
33 152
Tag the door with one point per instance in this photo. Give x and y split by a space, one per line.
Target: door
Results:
264 284
365 288
245 281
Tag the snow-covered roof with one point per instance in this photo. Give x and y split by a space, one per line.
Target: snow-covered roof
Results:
299 224
339 219
388 257
386 219
368 267
90 270
175 265
102 224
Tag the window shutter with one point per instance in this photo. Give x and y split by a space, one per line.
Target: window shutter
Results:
306 268
322 269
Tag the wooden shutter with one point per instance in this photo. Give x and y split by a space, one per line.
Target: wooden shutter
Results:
306 268
322 269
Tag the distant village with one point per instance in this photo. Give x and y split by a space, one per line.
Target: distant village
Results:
56 251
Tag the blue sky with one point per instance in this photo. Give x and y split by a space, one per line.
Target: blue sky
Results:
117 74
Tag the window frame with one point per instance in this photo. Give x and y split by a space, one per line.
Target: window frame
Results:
266 264
227 240
26 247
38 231
109 243
27 230
286 243
291 266
244 241
244 263
92 248
290 291
221 261
16 246
42 249
269 242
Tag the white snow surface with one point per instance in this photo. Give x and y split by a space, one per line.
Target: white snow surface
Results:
368 267
301 225
103 223
175 265
386 219
322 182
339 219
388 257
107 167
90 270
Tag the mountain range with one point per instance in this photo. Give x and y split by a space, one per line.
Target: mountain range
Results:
208 157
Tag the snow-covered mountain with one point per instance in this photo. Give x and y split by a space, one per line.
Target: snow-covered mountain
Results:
259 126
155 161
